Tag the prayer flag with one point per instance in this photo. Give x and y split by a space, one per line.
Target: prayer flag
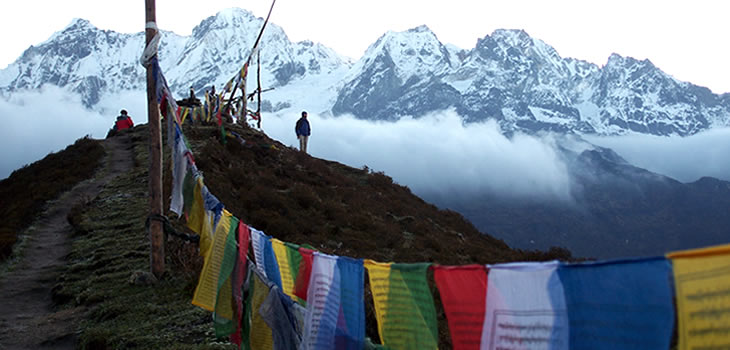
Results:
335 317
702 286
261 334
179 169
619 305
404 305
525 308
270 264
257 242
239 278
265 258
463 291
285 271
197 207
304 273
185 112
217 268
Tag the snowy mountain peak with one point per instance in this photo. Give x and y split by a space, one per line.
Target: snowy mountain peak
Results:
519 81
512 37
420 29
77 23
414 53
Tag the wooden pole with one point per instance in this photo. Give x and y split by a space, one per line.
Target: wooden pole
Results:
157 247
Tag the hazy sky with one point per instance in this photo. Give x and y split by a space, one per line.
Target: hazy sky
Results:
686 39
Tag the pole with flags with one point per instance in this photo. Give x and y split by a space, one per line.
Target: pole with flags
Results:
157 248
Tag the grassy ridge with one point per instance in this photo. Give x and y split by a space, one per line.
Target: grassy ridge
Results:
294 197
25 192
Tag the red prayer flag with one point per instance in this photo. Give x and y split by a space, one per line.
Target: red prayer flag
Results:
301 285
463 291
239 276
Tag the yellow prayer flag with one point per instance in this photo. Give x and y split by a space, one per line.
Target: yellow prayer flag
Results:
185 113
206 232
282 258
197 209
702 287
206 292
379 276
261 334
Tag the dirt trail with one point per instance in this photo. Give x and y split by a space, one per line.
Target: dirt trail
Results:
27 316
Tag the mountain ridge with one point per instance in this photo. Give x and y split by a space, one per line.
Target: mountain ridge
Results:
520 81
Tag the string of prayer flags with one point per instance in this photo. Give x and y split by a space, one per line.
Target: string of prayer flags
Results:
217 269
623 304
702 287
404 305
525 308
463 291
335 317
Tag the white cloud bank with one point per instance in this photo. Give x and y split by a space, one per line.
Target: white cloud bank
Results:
683 158
436 154
37 123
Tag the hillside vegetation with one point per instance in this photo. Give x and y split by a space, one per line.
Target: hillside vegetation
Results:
25 192
289 195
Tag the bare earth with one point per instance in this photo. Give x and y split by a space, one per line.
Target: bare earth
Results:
28 319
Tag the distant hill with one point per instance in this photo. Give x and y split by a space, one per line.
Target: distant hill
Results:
618 210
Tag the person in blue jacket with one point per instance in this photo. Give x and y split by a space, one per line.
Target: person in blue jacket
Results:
303 131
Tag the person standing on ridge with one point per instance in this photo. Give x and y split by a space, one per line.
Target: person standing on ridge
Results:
303 131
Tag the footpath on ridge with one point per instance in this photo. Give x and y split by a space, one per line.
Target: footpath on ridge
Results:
28 319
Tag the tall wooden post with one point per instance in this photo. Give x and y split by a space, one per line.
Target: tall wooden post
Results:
157 247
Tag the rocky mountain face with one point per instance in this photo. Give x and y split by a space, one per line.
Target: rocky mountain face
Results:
509 76
94 62
525 85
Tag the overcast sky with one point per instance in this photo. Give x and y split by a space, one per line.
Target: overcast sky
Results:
686 39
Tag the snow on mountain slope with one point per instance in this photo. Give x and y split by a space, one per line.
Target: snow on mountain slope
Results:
519 81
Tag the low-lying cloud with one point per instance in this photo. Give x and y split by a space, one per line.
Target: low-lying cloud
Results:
37 123
434 155
683 158
437 154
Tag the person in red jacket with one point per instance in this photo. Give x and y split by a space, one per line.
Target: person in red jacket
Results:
124 121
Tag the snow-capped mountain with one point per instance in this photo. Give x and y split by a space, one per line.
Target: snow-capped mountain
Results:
525 85
509 76
93 62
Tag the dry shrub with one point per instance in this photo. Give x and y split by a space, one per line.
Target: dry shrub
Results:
304 196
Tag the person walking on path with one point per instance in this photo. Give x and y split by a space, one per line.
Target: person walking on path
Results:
303 131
